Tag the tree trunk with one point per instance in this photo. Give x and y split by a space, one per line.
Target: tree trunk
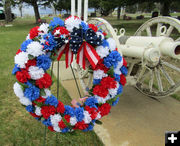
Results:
165 8
118 12
20 9
36 11
8 14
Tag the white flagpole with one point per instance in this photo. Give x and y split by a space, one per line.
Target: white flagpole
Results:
79 8
72 7
85 10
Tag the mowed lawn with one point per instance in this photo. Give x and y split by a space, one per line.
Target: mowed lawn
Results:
17 126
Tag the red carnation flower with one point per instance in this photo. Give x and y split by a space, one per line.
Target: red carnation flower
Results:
47 111
92 111
60 108
108 82
81 125
101 66
40 100
104 33
124 62
34 32
34 115
104 109
122 79
18 51
61 124
44 82
22 76
100 91
30 63
62 30
93 27
51 128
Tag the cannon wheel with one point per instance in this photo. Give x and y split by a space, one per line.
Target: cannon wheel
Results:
162 79
85 76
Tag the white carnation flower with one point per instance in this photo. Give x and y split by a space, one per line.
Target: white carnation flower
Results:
21 59
98 116
72 22
102 100
43 29
73 121
119 65
113 92
36 72
99 74
25 101
56 128
55 119
112 44
48 93
38 111
102 52
87 117
35 49
18 90
100 34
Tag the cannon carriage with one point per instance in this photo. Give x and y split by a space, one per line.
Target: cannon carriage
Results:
152 54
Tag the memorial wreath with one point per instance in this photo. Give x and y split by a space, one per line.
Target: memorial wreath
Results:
93 50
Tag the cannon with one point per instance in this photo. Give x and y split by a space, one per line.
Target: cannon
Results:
152 54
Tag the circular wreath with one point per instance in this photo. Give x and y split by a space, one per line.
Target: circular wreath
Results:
71 37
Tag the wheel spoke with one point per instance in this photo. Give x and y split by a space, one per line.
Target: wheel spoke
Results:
130 68
169 31
148 30
167 76
141 73
158 29
151 80
160 87
170 65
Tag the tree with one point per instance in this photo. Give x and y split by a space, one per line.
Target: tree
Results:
7 10
94 4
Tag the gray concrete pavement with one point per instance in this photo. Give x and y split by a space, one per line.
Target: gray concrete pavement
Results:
137 120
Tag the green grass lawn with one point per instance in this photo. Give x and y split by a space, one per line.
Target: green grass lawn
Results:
17 126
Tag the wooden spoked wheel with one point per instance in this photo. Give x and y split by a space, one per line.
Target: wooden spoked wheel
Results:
163 78
85 76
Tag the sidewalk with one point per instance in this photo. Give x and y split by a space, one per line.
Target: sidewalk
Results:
137 120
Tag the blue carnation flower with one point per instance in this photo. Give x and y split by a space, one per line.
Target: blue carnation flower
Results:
115 102
52 100
89 128
25 44
112 59
56 22
44 62
50 42
91 102
119 91
79 112
47 122
105 43
69 110
96 81
30 108
124 70
15 69
117 77
84 26
65 130
32 92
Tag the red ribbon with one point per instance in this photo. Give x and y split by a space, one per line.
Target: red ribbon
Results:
85 51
